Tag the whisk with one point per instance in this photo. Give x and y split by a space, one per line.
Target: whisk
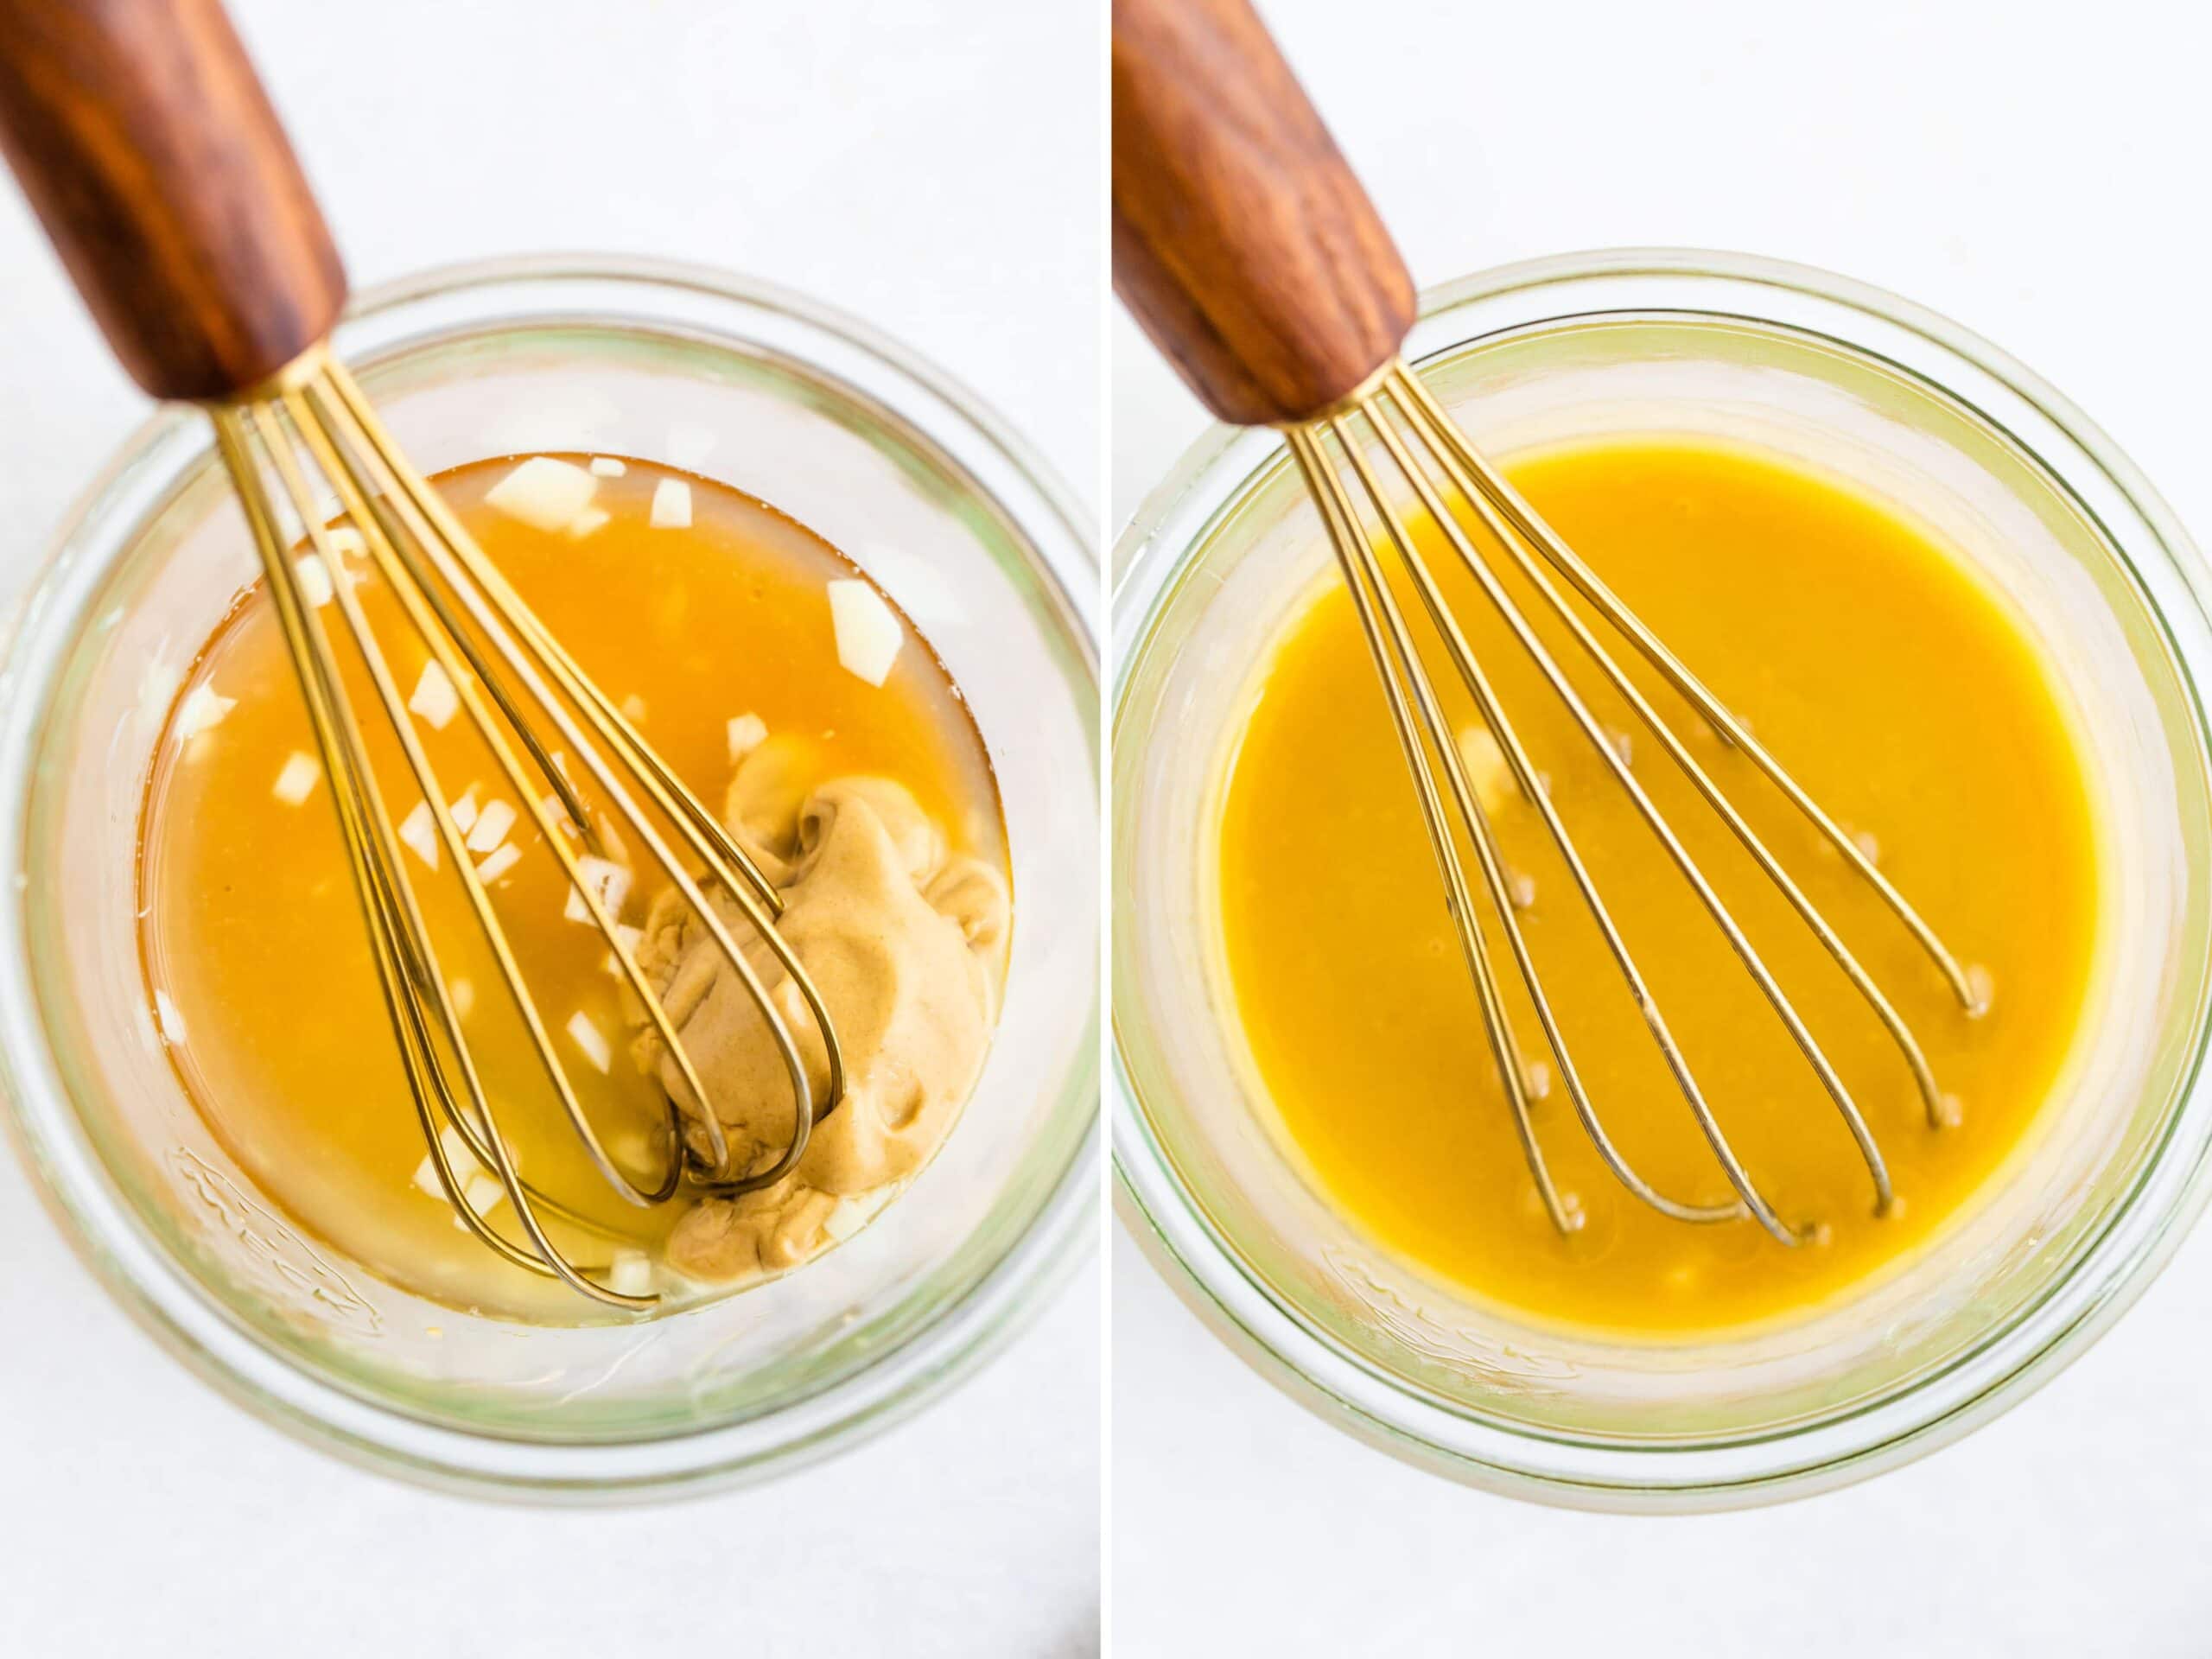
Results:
150 153
1250 254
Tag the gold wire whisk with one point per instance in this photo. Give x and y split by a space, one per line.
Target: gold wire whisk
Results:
437 575
151 155
1247 249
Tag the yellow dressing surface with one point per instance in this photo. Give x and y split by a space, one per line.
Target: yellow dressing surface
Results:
252 932
1876 669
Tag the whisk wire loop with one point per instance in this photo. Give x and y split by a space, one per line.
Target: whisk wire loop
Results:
1396 415
428 562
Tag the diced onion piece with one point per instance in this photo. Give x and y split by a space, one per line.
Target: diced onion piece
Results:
426 1176
492 826
347 539
419 830
671 504
544 493
435 698
607 467
589 519
458 1154
464 997
297 779
464 810
1488 769
608 880
868 634
499 863
200 710
633 709
171 1017
315 579
631 1273
502 859
746 734
629 937
589 1037
482 1193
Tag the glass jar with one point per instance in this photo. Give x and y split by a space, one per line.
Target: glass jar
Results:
1913 410
877 452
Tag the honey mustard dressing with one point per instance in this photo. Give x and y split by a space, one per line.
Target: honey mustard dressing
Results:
705 615
1893 685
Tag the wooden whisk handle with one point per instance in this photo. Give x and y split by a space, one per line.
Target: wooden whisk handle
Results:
141 136
1241 241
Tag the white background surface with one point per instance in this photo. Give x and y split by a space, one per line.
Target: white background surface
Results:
933 167
2036 172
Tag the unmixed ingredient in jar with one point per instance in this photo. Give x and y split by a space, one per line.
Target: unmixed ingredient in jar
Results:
1901 694
778 684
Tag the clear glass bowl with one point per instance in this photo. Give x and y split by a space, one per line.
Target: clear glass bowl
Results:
1918 412
894 464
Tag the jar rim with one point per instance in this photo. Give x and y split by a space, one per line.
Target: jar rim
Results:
423 311
1172 528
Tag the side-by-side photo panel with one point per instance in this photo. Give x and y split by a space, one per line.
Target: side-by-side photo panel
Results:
549 739
1658 829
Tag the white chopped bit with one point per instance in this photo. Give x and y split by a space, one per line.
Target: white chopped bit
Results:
746 734
868 634
458 1154
1981 985
297 780
435 698
560 763
200 710
589 519
419 830
1950 1111
464 997
426 1176
1521 887
499 863
1869 848
492 826
629 938
1538 1080
1622 744
633 708
464 810
608 881
171 1018
588 1037
481 1193
631 1273
607 467
671 504
315 579
1489 774
544 493
345 539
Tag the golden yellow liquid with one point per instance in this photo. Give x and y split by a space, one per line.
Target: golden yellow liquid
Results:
251 927
1876 668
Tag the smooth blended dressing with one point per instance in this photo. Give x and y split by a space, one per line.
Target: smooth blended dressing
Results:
1875 668
254 945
